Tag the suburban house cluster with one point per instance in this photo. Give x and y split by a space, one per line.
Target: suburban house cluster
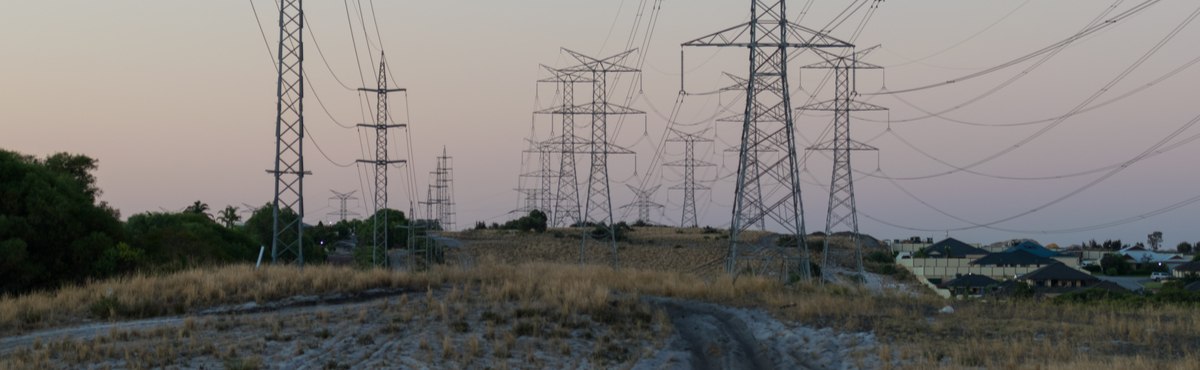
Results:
954 268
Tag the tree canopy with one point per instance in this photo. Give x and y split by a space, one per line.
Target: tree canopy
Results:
52 229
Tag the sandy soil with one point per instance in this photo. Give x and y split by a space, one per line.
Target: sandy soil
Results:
445 329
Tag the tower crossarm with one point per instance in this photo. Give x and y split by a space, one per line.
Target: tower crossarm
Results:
739 36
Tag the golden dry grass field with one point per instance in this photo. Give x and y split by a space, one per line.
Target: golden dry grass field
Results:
540 272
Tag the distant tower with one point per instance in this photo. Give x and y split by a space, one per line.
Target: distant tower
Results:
566 209
543 196
287 235
443 191
598 205
689 164
343 199
768 180
842 211
644 200
379 229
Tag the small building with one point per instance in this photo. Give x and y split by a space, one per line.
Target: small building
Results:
1058 279
1140 258
970 285
1187 269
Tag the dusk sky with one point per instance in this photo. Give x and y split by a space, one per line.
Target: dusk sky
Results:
177 101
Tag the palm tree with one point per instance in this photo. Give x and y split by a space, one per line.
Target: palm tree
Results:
199 208
229 216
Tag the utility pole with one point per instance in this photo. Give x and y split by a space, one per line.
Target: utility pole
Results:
689 164
598 207
566 209
767 124
644 200
343 198
287 235
379 229
842 211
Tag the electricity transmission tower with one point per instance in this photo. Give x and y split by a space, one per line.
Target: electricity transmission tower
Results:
343 198
287 234
566 208
379 228
598 205
842 211
689 164
768 186
528 198
644 201
543 196
443 191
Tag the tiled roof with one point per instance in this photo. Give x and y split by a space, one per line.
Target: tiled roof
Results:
1014 258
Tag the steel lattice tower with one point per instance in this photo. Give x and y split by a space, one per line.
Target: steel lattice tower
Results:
689 164
545 175
740 84
443 190
379 229
768 186
566 209
598 206
343 199
643 200
530 198
842 211
287 234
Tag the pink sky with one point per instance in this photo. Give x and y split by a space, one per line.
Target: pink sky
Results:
176 100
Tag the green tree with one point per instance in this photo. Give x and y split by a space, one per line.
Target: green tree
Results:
397 229
260 226
199 208
535 221
1115 264
1154 239
1184 247
52 229
172 241
229 216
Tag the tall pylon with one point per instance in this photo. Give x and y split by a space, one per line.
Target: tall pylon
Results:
545 175
379 228
287 235
567 210
443 191
843 210
689 164
598 205
343 199
644 201
768 186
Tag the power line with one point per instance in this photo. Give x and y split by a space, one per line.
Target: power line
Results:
1120 77
1122 16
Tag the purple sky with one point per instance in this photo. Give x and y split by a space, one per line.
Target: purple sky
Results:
176 100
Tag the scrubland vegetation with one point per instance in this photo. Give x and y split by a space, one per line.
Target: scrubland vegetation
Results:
1015 334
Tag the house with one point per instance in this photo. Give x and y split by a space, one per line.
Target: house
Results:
970 285
953 248
1140 258
1017 258
1058 279
1187 269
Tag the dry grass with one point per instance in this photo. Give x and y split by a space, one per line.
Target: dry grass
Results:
648 248
546 299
